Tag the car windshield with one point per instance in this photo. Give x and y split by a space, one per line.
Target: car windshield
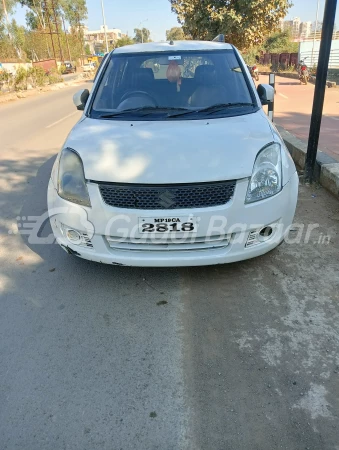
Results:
173 85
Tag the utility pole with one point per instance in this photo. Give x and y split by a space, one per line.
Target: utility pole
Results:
320 86
57 30
45 6
69 51
104 22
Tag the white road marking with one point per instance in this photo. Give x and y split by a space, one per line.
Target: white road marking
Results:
61 120
282 95
334 118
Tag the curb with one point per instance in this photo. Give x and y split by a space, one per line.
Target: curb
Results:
326 169
295 76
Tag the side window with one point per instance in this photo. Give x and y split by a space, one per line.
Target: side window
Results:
100 65
109 86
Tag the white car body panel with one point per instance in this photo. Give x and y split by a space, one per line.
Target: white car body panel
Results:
177 151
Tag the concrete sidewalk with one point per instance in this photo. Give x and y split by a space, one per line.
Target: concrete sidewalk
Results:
326 168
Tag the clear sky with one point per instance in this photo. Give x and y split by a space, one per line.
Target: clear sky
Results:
127 14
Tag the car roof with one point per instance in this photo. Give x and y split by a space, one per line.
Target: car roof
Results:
177 46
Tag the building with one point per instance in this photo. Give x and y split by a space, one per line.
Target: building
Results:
281 24
299 30
296 23
96 38
293 26
305 29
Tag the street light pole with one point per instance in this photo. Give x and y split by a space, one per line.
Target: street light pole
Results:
104 21
320 86
142 34
315 31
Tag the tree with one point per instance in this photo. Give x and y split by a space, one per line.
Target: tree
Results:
75 11
244 22
175 34
18 34
7 28
6 8
126 40
142 35
87 50
40 16
281 42
7 50
35 17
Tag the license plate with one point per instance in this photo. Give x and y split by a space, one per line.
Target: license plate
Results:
167 225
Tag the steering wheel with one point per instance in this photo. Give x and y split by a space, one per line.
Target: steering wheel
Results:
138 94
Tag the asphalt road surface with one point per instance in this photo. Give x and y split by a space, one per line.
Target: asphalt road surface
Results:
293 107
94 357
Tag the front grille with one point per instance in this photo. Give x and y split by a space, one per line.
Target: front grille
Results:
163 244
171 196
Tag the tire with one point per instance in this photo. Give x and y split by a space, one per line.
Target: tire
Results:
256 75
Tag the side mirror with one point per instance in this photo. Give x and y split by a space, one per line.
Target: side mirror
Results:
80 99
266 94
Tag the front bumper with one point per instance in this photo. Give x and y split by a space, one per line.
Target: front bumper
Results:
234 221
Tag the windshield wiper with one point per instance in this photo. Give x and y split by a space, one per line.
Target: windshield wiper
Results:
144 110
214 108
221 106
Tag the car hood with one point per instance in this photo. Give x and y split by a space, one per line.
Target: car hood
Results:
177 151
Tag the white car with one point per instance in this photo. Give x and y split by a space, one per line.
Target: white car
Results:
89 67
173 163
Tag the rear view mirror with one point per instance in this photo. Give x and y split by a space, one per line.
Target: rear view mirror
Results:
80 99
266 94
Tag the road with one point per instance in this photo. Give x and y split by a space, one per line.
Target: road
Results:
293 107
94 357
70 76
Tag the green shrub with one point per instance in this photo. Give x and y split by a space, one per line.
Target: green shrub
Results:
40 76
54 76
63 69
37 76
5 77
20 79
251 55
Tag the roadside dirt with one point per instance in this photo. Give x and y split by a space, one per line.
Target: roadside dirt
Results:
19 95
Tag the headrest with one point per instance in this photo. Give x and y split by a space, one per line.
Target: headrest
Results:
205 75
141 76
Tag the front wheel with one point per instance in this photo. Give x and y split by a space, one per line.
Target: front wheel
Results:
256 76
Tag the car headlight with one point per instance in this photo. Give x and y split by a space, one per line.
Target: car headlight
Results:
266 179
71 178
